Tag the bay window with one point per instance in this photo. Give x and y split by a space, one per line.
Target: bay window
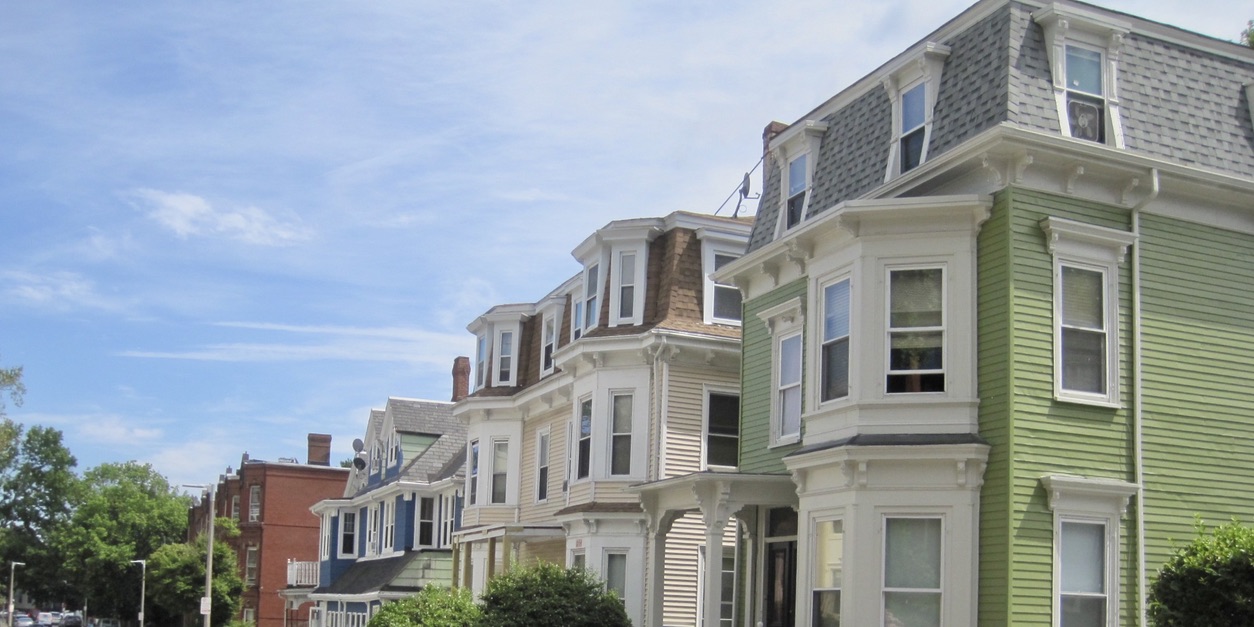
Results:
620 434
916 331
835 351
912 591
829 560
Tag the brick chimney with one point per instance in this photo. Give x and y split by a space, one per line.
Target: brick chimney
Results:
769 133
319 449
461 378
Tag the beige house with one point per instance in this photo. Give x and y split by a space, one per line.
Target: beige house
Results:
625 375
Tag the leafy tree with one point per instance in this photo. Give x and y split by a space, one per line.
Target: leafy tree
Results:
1247 35
1207 583
11 384
122 512
547 594
37 486
176 575
431 607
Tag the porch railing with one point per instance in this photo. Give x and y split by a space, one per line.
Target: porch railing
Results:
302 574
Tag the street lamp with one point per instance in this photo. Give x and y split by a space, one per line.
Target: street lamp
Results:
206 602
12 568
143 587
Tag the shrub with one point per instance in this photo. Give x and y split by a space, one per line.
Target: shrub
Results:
547 594
1208 583
431 607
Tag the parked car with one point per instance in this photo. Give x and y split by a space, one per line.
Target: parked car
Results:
22 620
110 622
71 620
45 618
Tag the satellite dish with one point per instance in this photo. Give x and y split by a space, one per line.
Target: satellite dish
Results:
744 186
359 463
358 445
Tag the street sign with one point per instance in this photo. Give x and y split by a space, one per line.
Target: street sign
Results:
204 605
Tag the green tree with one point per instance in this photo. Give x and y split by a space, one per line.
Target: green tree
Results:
433 606
1247 35
37 486
176 576
547 594
1207 583
11 384
122 512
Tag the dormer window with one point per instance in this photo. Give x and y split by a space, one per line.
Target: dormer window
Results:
1083 58
626 285
586 314
722 300
391 449
798 184
505 358
627 282
796 152
481 361
549 339
913 85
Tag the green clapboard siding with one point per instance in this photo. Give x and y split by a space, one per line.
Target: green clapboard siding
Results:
755 407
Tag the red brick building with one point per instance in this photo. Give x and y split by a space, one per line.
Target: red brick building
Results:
270 501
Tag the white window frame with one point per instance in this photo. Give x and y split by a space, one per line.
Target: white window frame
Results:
577 439
502 359
391 449
428 518
812 584
706 435
784 322
639 256
824 340
448 511
625 554
347 530
1088 247
924 66
481 360
251 564
1089 500
781 387
890 329
376 458
615 436
710 251
543 458
1076 26
591 296
499 476
473 462
324 537
254 503
249 615
548 341
388 512
802 140
883 585
235 507
372 529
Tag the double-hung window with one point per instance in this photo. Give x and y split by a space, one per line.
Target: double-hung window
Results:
254 503
542 466
474 471
235 507
911 130
500 471
1086 309
616 573
583 447
389 524
1086 102
324 538
620 434
426 521
505 358
916 330
1082 595
348 534
788 387
722 430
549 333
727 299
627 277
829 565
798 185
250 565
1081 46
481 361
912 591
372 530
835 366
591 290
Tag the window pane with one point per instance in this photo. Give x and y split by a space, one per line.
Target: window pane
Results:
829 554
626 300
622 413
1083 558
616 573
795 205
790 361
620 455
836 369
912 609
1083 611
1084 361
911 150
781 521
912 108
826 608
722 451
836 310
1086 117
1084 70
790 411
916 298
724 414
726 302
912 550
916 351
797 176
1082 301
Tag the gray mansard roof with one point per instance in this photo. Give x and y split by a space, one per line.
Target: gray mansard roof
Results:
1181 95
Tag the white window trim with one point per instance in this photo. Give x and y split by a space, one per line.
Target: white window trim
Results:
820 332
638 289
926 65
324 538
549 318
481 360
339 544
391 449
591 320
944 556
235 507
1094 501
474 470
498 354
811 581
389 524
1088 247
784 321
708 251
493 471
803 138
611 434
705 425
576 436
1065 25
433 520
372 530
544 453
889 329
625 553
254 503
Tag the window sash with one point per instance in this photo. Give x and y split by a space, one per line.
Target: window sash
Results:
254 503
835 349
542 467
500 470
474 471
584 450
627 285
913 554
1082 328
916 330
722 443
348 533
426 521
789 389
620 434
481 361
591 290
616 573
505 360
798 183
389 525
727 297
550 343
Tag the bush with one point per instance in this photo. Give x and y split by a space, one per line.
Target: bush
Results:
547 594
431 607
1208 583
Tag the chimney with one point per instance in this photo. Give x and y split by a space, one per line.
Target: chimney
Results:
319 449
461 378
770 132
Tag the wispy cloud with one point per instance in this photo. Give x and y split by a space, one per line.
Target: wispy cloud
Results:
189 215
57 291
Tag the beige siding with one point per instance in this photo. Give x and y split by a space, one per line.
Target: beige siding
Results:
556 422
685 417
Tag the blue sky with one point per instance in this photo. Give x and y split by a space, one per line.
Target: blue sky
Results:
226 225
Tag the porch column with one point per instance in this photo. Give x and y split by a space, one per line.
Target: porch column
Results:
655 583
507 546
469 553
456 553
716 508
491 572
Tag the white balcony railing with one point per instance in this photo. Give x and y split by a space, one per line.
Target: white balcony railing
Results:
302 574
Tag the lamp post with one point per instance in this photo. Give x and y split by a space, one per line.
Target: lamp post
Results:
12 570
143 587
206 602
